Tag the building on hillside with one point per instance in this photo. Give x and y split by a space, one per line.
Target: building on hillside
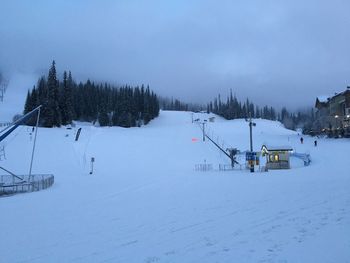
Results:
333 114
276 157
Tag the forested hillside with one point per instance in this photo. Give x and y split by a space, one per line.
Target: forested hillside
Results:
64 101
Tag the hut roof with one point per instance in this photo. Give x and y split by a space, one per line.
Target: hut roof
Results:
277 148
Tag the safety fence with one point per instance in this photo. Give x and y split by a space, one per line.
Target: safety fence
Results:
24 183
4 124
228 167
303 156
203 167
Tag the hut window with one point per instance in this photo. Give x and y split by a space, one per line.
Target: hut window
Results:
274 158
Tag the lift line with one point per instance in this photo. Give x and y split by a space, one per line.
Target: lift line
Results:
230 155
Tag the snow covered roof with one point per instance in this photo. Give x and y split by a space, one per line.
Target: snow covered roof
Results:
323 98
277 148
326 98
342 93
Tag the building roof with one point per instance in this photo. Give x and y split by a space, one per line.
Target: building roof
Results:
324 98
341 93
277 148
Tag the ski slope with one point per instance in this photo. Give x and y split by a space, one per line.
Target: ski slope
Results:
146 203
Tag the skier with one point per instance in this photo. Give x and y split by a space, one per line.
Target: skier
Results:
315 143
301 140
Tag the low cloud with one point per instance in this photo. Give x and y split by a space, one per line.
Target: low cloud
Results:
276 53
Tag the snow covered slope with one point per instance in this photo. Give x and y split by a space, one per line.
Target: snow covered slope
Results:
146 203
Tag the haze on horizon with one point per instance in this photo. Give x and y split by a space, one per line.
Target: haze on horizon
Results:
280 53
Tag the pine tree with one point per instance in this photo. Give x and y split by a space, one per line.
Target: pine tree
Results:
71 85
62 102
66 100
103 117
28 103
53 117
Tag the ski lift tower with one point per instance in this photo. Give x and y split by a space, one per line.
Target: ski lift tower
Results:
202 126
251 125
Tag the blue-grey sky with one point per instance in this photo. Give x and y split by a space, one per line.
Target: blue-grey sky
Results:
275 52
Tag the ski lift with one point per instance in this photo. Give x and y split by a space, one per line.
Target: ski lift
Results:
26 182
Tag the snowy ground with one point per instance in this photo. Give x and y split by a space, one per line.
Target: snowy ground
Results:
146 203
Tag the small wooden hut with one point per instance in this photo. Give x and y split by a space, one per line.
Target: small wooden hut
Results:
276 157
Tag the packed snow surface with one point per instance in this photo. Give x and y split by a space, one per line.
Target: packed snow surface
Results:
145 202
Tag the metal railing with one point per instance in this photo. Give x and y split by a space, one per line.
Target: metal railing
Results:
11 185
228 167
303 156
204 167
4 124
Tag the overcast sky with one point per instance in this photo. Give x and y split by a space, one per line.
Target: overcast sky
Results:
274 52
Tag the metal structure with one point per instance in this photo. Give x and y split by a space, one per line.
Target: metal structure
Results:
305 157
203 167
251 125
4 124
229 152
24 183
228 167
12 183
203 129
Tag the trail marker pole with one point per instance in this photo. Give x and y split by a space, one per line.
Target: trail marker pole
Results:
92 165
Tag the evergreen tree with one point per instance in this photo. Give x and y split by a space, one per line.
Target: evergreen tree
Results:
53 114
67 100
28 103
123 106
103 117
